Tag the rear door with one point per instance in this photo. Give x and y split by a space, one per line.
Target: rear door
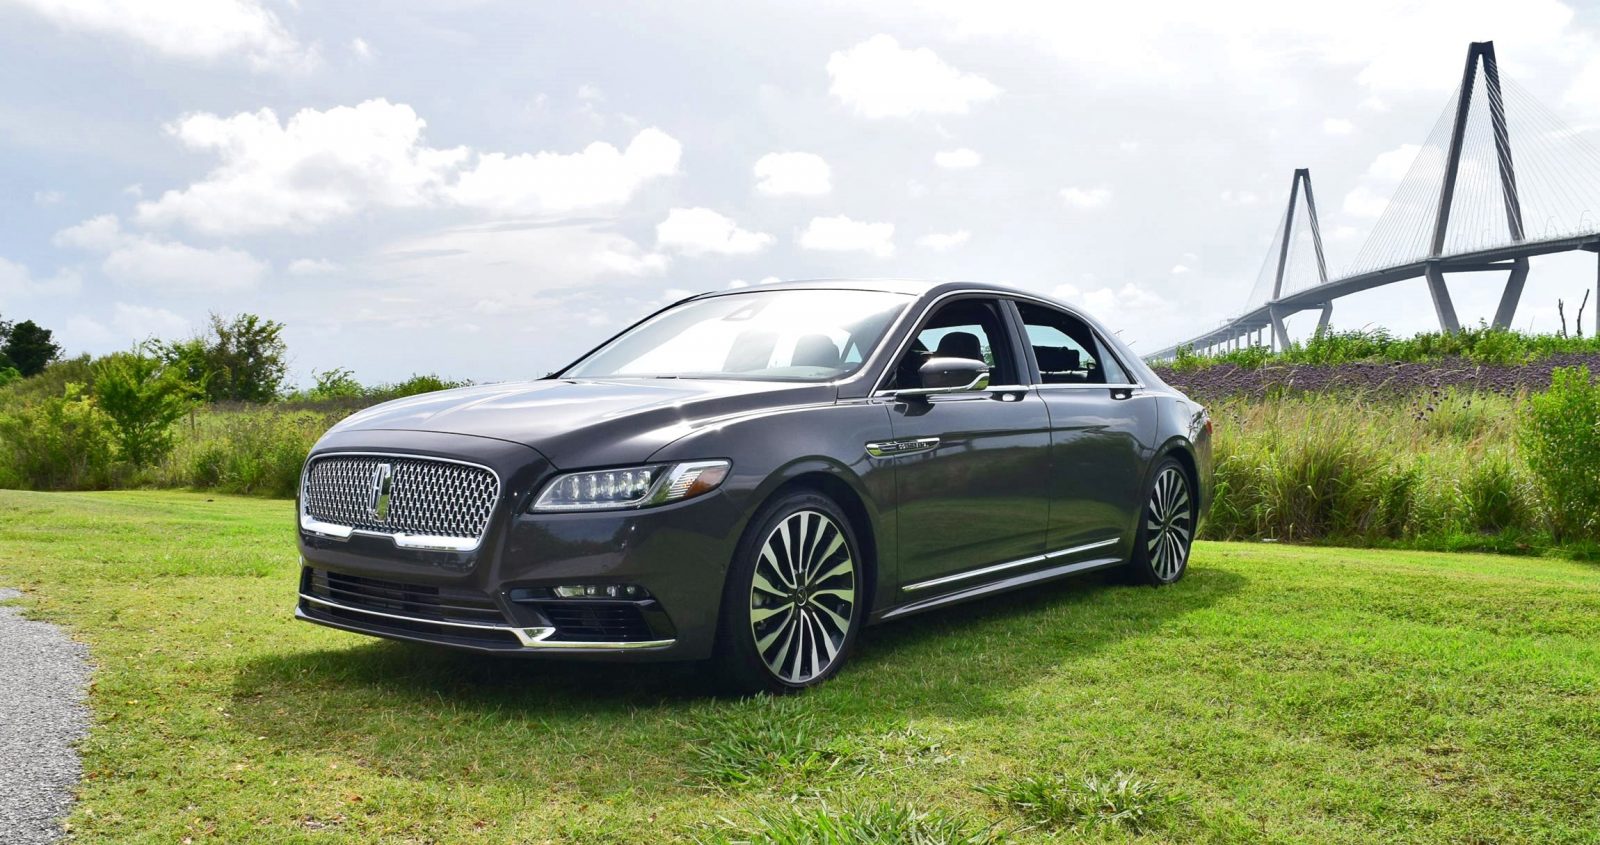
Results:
1101 428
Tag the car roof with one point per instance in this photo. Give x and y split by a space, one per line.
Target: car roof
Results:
914 287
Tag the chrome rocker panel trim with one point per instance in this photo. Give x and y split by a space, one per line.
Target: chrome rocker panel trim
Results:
974 573
530 638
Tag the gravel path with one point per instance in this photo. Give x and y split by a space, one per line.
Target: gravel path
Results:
43 678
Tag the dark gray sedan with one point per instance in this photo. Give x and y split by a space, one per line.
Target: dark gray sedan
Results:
751 476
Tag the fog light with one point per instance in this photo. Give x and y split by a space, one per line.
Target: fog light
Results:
592 591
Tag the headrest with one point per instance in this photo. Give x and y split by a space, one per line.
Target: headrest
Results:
1057 359
960 345
815 350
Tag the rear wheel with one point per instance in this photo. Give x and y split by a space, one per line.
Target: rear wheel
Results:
793 601
1166 527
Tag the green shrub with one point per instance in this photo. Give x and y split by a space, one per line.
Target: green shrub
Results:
1560 437
50 384
1495 495
415 385
61 443
259 453
9 375
143 397
337 383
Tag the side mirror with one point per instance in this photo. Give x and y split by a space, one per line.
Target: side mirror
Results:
949 375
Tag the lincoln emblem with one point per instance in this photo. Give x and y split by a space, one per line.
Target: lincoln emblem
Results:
382 482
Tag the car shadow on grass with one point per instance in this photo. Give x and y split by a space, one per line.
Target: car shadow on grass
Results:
392 703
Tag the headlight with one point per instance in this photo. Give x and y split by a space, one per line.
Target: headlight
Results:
630 487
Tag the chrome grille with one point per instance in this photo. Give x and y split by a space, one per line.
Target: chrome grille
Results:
426 497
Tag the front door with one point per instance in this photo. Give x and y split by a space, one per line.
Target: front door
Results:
972 470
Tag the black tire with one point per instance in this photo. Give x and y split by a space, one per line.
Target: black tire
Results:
784 633
1167 521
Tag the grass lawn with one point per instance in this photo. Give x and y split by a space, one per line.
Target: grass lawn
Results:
1276 694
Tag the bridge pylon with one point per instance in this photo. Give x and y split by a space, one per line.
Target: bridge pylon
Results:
1478 53
1298 185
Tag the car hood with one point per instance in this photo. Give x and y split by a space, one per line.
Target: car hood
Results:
584 422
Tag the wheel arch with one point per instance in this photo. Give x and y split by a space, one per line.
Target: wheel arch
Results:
846 489
1182 450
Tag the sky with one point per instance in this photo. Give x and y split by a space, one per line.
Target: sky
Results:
485 190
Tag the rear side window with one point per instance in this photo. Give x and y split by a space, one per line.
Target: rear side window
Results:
1067 350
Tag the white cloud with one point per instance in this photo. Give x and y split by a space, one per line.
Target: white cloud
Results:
1179 269
804 174
1085 197
142 321
944 241
144 261
361 49
1338 126
1240 197
17 282
213 29
1371 196
510 262
321 166
698 231
1165 40
599 177
1115 306
841 234
879 78
316 167
957 158
82 333
48 197
312 267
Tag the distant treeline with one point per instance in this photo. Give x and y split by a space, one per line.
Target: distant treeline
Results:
209 411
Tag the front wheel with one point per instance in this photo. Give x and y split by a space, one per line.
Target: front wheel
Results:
793 600
1166 527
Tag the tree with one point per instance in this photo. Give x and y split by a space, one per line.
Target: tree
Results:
239 359
29 348
143 396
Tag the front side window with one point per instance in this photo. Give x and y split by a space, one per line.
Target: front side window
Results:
776 335
966 328
1066 349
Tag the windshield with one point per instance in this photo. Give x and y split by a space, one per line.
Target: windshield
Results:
776 335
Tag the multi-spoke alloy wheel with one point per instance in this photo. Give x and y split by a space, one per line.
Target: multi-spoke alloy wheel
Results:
1167 527
803 596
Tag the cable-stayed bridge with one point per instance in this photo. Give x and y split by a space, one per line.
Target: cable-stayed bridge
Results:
1471 202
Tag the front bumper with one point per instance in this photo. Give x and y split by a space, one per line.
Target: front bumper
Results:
499 598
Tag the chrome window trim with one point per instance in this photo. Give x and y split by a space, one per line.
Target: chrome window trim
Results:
986 570
968 394
883 373
530 638
422 542
1088 387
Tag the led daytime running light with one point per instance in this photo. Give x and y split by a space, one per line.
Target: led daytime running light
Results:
630 487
